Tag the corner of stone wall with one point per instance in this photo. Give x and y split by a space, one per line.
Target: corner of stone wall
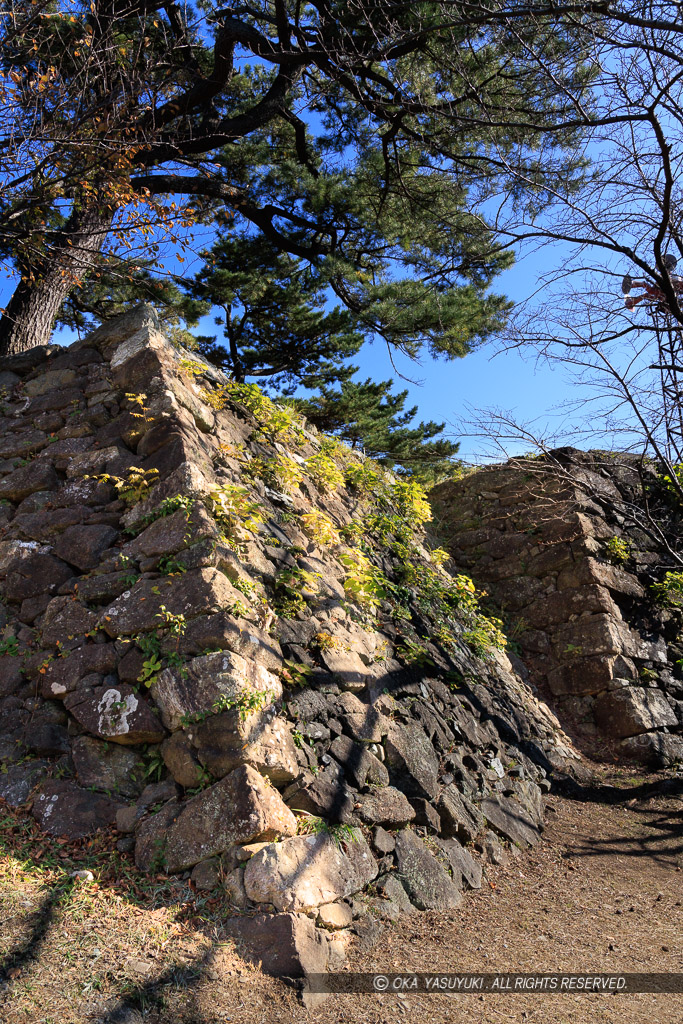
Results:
595 644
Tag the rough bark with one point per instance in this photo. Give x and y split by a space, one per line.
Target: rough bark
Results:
30 314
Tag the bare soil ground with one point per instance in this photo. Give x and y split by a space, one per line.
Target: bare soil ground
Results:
602 893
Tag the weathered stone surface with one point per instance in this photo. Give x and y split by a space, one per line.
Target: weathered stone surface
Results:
363 721
426 882
382 840
207 682
46 738
63 675
412 761
327 796
39 475
243 853
589 570
358 763
150 833
21 443
50 380
241 808
386 806
108 768
170 534
181 760
227 632
34 574
198 592
633 710
582 676
18 780
308 871
347 667
11 676
99 460
596 634
104 586
83 546
659 749
425 814
261 739
334 916
64 809
507 817
465 869
46 524
207 874
116 713
459 816
556 608
64 619
286 945
233 887
394 898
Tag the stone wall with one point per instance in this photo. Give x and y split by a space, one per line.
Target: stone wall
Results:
539 535
169 613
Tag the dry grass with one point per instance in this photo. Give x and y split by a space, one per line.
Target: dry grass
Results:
601 893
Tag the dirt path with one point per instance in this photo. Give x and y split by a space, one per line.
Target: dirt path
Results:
602 893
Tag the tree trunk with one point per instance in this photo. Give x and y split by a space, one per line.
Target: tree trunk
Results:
31 312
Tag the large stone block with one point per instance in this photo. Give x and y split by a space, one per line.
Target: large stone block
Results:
66 618
241 808
170 534
385 806
365 722
658 749
593 635
39 475
558 607
180 758
507 817
427 883
466 871
459 816
226 631
309 871
632 710
138 610
51 380
111 334
327 795
358 763
108 768
83 546
581 676
22 443
285 945
63 809
411 760
206 683
64 674
115 713
347 667
590 571
261 739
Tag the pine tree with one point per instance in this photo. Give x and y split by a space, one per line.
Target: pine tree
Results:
274 320
368 417
357 136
